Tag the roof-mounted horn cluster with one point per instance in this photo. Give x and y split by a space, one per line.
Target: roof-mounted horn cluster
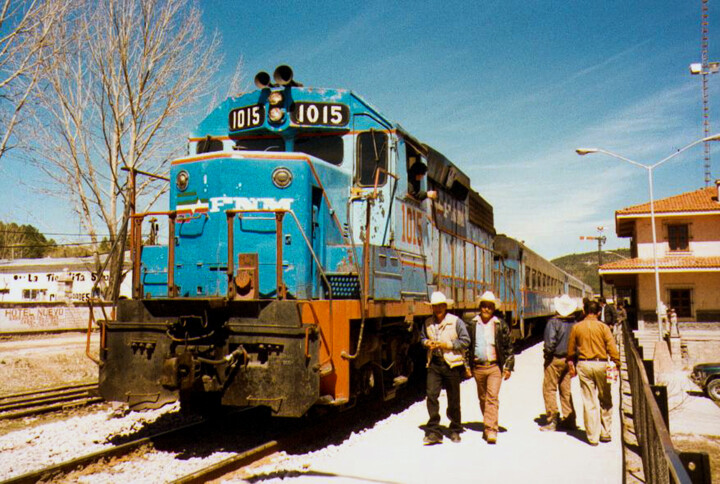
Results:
283 76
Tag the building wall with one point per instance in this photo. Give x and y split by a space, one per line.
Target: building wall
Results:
704 235
705 288
48 283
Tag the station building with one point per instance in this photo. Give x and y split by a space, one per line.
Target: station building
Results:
70 279
688 257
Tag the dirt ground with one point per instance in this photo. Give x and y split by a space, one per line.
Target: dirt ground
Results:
701 443
33 364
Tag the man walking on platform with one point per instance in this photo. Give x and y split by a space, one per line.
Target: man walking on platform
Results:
557 375
492 360
446 339
590 346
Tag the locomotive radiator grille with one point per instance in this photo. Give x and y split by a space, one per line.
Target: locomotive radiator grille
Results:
344 286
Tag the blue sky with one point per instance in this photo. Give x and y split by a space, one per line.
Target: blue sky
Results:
506 89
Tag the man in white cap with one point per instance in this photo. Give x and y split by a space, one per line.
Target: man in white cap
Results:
557 373
492 360
446 339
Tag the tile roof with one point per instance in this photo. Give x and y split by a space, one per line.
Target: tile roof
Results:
665 264
702 200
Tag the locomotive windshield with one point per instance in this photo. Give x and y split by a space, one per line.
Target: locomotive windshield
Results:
269 143
326 147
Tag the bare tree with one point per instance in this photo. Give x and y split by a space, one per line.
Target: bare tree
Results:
113 100
26 47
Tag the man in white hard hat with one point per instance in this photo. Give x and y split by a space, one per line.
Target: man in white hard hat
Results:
446 339
557 373
492 360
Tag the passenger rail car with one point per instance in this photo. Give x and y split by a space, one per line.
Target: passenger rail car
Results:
300 260
532 283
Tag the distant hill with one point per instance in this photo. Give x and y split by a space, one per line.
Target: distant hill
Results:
585 266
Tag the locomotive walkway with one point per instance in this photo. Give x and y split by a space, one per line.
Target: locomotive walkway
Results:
393 452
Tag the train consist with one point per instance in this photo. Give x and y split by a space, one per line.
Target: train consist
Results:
301 258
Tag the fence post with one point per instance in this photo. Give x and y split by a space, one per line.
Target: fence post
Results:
697 465
661 398
649 371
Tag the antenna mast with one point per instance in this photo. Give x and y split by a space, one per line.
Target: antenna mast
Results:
705 72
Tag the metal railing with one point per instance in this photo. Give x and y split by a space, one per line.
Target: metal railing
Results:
661 462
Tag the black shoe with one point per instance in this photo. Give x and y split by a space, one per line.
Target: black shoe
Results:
604 438
455 437
432 439
567 424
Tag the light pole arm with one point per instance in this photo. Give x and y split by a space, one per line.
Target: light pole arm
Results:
714 137
615 155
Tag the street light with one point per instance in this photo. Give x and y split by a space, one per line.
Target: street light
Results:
650 168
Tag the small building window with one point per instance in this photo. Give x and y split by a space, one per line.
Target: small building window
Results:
372 154
678 237
681 302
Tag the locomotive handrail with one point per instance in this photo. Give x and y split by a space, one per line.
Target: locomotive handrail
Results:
136 245
279 214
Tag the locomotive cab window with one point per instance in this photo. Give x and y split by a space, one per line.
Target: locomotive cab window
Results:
271 143
416 172
372 149
328 148
208 145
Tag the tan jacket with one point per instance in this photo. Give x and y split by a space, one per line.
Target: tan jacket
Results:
591 339
446 332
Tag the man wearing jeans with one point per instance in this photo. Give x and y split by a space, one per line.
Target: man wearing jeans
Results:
590 346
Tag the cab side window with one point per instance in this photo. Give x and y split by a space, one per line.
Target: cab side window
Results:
372 154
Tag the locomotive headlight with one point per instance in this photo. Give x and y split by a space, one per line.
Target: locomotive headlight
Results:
275 98
276 115
181 180
282 177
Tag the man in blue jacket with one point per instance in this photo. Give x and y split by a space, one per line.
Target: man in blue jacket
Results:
557 373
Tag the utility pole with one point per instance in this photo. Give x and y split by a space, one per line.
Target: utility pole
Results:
601 239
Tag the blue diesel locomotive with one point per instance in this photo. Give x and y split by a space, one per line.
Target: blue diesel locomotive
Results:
301 257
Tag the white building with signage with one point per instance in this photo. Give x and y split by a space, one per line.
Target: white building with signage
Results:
69 279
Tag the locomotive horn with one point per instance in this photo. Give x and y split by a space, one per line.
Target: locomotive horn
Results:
283 76
262 80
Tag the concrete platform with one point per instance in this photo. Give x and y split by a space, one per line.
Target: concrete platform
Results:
392 451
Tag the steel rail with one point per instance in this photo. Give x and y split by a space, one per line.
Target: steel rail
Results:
52 471
229 465
47 400
14 396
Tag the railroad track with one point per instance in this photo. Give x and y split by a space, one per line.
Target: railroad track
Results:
212 471
53 471
48 400
231 464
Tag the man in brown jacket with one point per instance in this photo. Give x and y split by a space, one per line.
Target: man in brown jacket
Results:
590 346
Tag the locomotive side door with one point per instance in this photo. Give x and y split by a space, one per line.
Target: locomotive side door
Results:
411 235
372 206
